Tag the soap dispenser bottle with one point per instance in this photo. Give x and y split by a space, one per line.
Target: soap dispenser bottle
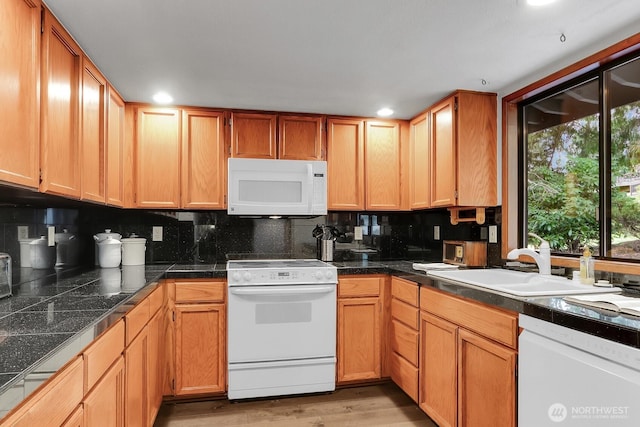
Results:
587 276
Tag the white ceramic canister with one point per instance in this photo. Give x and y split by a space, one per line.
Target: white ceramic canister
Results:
98 237
109 252
133 249
42 255
66 249
25 252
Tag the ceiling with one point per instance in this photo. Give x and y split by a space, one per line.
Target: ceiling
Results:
345 57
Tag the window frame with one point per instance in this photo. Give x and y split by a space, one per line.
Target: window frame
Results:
512 184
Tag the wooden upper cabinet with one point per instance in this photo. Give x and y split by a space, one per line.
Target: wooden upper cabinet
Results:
419 174
300 137
92 132
157 154
383 166
345 164
61 85
115 149
19 103
273 136
463 150
443 154
253 135
204 159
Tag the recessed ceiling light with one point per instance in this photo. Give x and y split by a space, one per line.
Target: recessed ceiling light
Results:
539 2
163 98
385 112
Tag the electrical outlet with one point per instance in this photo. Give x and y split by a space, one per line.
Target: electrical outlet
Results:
493 234
51 235
157 234
436 232
357 233
23 232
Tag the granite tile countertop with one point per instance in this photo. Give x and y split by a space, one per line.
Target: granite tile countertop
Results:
55 314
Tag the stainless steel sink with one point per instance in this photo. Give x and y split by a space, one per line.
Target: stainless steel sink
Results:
519 283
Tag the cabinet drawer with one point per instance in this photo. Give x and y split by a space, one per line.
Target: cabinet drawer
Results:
156 298
52 403
206 290
359 286
405 375
404 341
102 353
497 324
135 320
405 313
405 290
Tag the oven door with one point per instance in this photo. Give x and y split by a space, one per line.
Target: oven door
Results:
268 323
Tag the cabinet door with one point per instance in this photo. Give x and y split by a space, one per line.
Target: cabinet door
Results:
92 132
486 382
115 150
157 153
477 147
76 419
383 166
136 359
104 404
438 374
156 364
19 103
253 135
200 349
300 138
345 164
61 73
443 154
359 330
420 178
204 160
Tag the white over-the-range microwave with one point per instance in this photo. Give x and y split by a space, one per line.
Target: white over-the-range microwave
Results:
269 187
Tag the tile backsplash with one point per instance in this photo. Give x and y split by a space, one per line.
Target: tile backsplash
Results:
214 236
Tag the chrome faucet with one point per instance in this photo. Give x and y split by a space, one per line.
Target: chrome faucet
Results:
542 258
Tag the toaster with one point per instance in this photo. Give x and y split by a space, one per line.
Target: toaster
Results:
5 275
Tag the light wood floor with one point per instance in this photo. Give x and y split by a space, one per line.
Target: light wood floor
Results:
375 405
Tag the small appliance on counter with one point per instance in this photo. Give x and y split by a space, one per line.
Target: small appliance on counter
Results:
99 237
67 249
43 256
5 275
326 236
464 253
133 249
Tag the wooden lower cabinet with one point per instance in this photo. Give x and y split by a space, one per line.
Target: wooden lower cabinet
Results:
156 365
136 357
200 337
359 328
467 376
76 419
403 336
104 404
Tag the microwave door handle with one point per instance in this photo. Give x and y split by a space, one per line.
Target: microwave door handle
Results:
310 179
290 290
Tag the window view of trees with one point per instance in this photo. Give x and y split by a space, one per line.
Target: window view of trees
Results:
563 162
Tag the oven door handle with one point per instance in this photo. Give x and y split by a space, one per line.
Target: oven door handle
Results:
286 290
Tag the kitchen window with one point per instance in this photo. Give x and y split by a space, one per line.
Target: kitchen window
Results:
580 163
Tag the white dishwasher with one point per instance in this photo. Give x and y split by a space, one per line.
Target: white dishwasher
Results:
570 378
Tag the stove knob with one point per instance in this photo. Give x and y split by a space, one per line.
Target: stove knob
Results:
319 275
247 276
237 276
329 274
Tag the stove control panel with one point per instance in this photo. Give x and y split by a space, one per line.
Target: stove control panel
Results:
278 277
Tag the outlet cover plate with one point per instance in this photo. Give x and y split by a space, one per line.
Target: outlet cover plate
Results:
436 232
23 232
357 233
157 233
493 234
